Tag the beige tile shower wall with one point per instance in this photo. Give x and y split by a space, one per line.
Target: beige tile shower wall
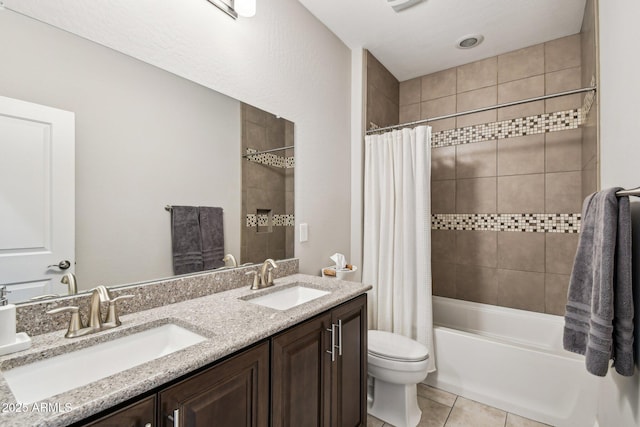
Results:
382 94
539 173
263 186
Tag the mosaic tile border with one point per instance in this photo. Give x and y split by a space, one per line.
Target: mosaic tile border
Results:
284 220
270 159
527 222
530 125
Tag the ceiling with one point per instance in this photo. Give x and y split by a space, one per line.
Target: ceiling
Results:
414 42
422 39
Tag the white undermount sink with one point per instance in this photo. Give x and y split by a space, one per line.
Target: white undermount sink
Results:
48 377
287 298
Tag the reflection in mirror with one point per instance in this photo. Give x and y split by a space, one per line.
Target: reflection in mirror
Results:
144 139
267 186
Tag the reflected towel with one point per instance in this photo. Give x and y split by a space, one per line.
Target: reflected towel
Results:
212 235
186 241
599 311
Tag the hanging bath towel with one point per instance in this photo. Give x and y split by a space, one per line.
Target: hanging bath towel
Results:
212 235
599 312
186 240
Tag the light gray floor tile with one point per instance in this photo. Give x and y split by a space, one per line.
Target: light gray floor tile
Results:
438 395
514 420
434 414
374 422
444 409
467 413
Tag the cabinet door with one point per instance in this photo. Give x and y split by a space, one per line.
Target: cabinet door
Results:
139 414
349 374
301 375
233 393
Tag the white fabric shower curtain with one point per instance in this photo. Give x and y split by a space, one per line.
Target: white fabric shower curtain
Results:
397 234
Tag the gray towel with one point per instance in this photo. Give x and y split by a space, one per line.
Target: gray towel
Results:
599 311
186 241
212 235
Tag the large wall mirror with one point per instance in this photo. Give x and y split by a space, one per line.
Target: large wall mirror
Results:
144 139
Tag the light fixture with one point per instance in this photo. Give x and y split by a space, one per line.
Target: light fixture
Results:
399 5
235 8
245 8
469 41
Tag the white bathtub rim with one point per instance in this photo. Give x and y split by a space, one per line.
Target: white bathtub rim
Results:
546 334
509 342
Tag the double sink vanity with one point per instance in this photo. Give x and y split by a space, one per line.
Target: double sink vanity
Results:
290 354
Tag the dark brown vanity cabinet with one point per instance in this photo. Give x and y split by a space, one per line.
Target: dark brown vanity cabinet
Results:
319 370
139 414
349 372
232 393
313 374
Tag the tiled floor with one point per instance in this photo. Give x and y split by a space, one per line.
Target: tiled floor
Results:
443 409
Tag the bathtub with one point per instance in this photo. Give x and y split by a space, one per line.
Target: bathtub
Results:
512 360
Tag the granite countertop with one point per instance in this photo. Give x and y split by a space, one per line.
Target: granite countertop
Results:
229 324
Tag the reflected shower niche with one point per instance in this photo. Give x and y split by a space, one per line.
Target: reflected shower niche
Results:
267 186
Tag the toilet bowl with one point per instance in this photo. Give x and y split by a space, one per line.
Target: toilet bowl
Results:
396 365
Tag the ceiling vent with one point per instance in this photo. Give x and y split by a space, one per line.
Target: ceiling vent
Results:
399 5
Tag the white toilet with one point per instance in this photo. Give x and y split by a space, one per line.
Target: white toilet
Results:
396 365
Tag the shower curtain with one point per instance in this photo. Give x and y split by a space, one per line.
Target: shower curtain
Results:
397 234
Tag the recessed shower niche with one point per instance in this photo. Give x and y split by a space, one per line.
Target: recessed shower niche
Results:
267 186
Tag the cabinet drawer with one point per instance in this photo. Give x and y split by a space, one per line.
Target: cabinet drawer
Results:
139 414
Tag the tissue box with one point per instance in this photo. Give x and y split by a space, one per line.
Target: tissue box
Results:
342 274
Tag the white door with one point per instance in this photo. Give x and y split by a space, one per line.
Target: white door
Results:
37 198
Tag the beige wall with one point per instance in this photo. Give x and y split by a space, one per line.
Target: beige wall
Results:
539 173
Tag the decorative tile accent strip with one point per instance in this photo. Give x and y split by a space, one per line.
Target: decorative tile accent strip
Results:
530 125
270 159
284 220
528 222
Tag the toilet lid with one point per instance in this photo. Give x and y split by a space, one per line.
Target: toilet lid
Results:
392 346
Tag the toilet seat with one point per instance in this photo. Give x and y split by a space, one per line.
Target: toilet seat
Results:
394 347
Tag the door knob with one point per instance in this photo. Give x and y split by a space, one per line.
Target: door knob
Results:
62 265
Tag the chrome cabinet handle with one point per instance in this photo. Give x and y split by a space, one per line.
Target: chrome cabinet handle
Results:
175 417
340 337
62 265
332 352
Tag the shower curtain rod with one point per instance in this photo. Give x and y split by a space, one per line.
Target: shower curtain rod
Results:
268 151
479 110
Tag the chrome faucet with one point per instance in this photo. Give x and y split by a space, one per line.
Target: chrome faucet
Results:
266 278
99 295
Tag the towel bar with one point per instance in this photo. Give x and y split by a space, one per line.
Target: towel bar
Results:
632 192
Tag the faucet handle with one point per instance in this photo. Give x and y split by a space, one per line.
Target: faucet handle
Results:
256 281
75 323
112 315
